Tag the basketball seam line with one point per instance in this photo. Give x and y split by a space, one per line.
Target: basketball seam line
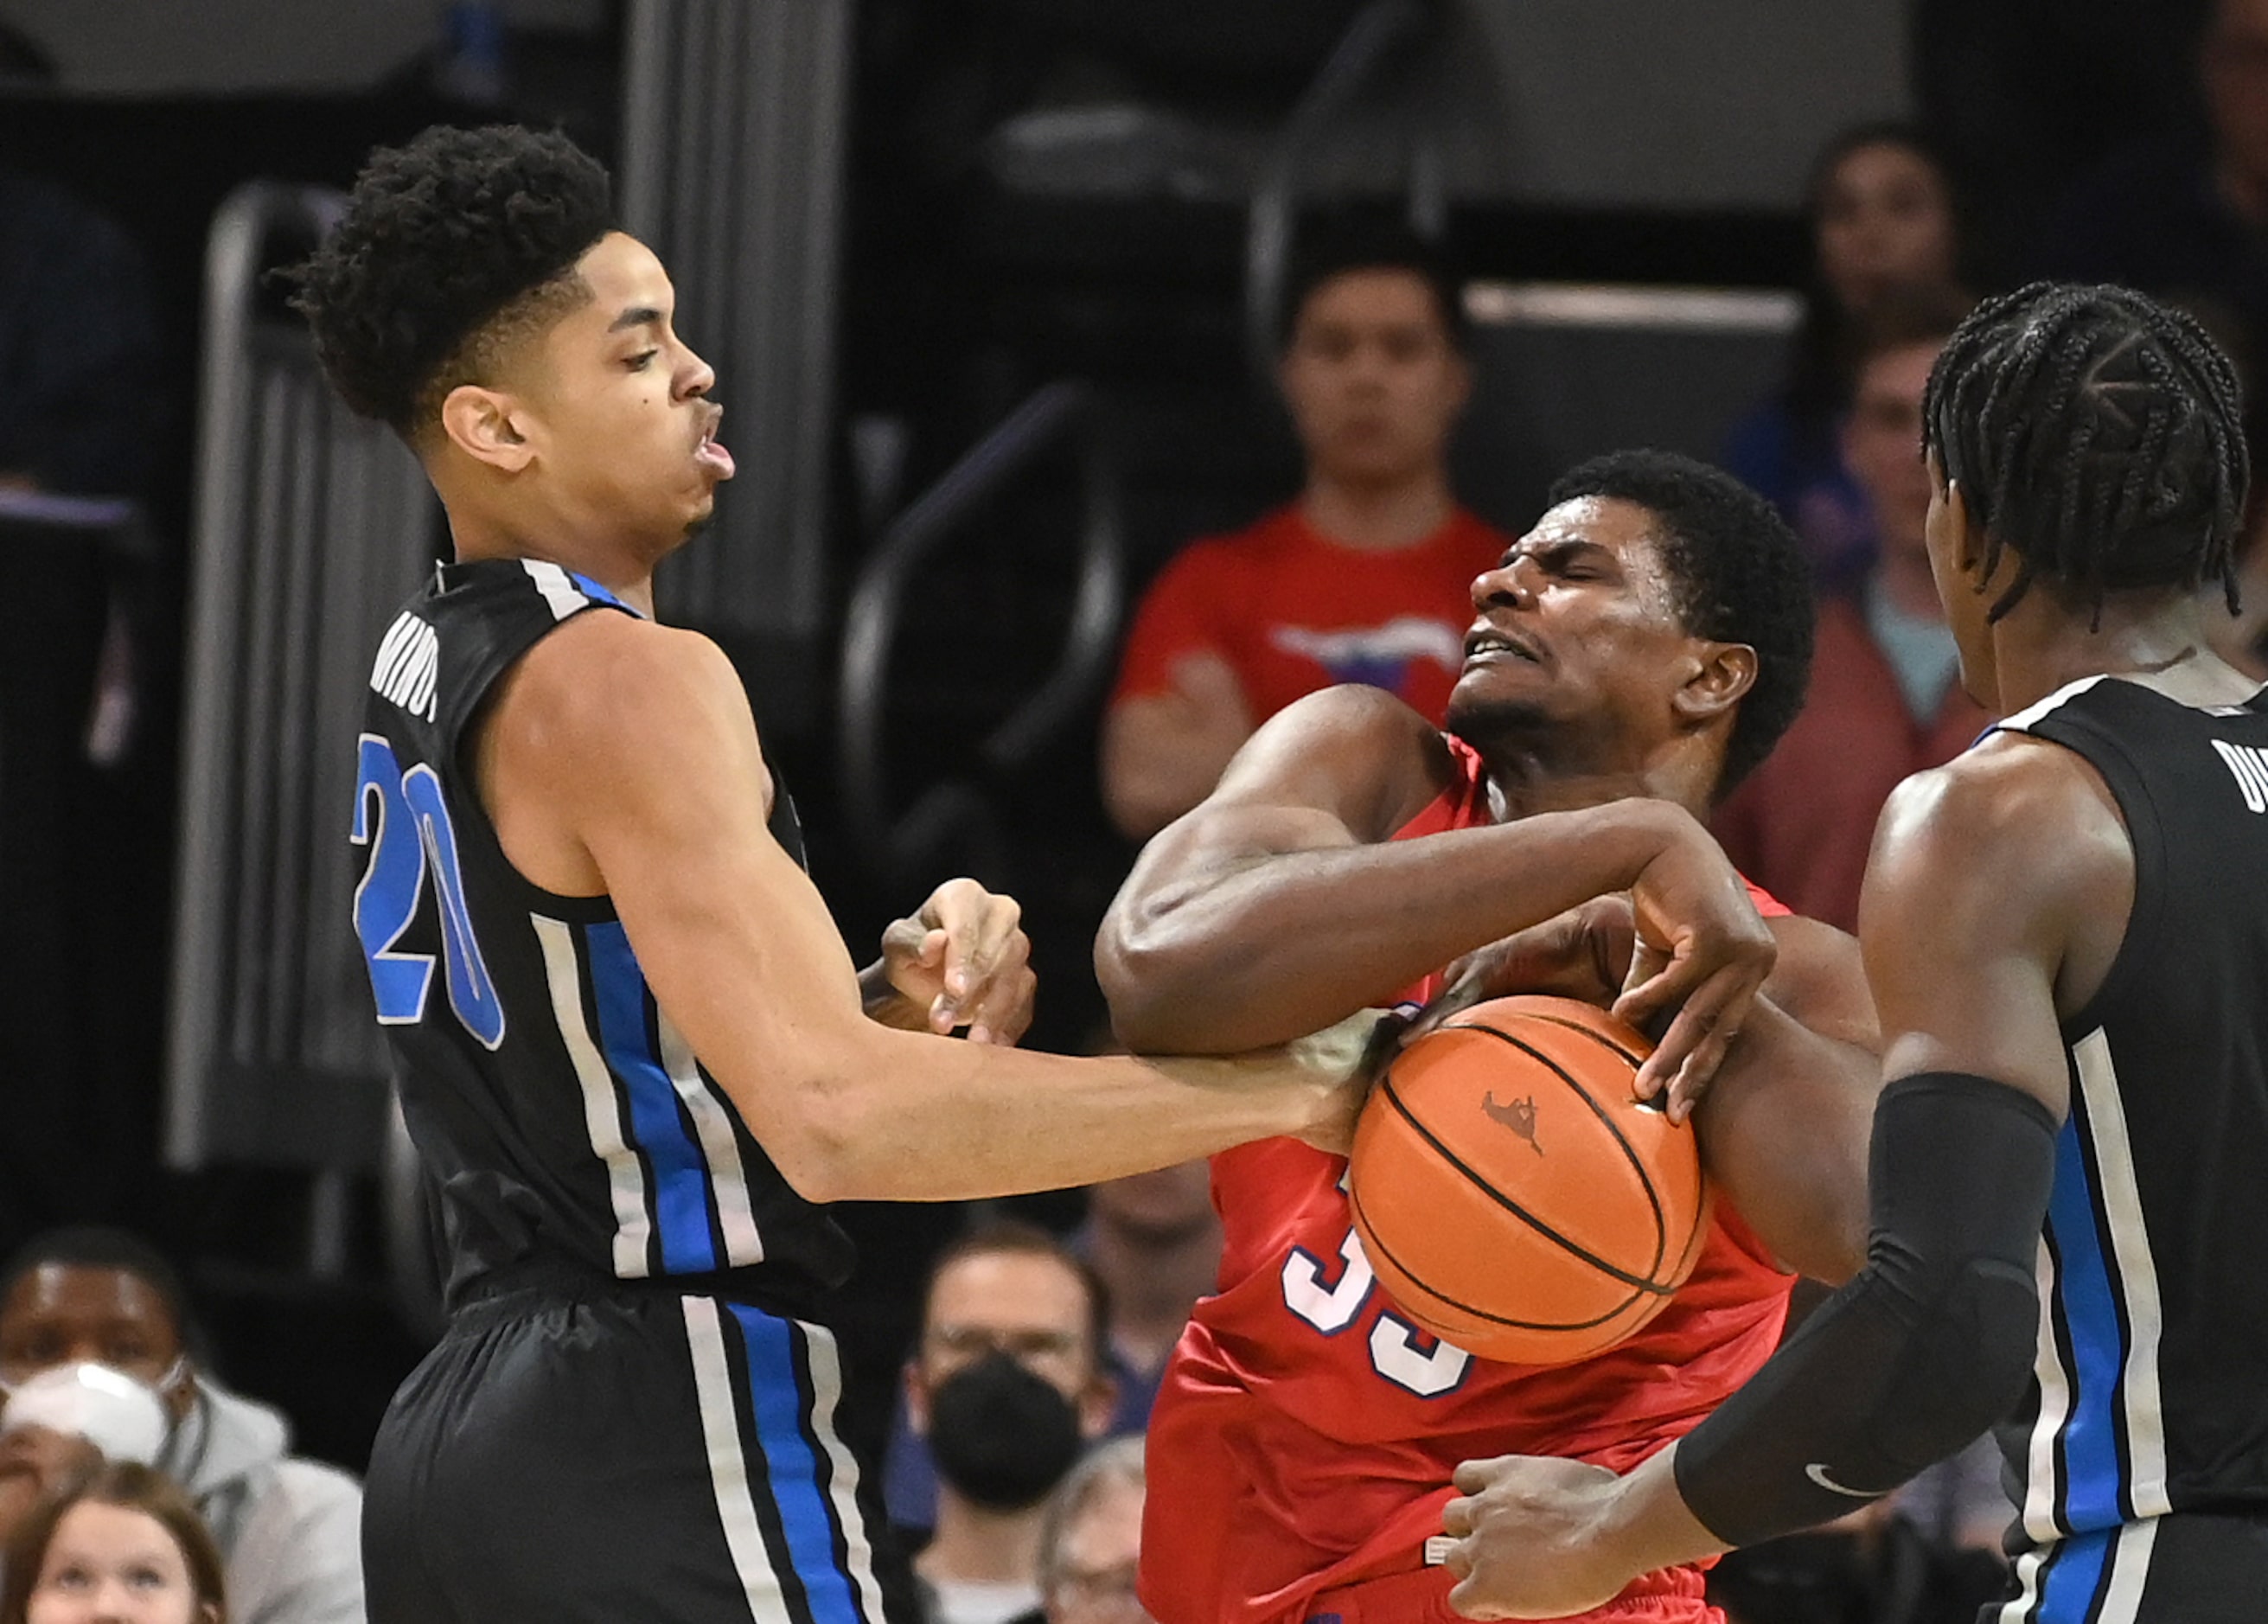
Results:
1515 1208
1386 1251
1629 1152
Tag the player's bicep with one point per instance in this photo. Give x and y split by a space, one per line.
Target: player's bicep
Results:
1959 924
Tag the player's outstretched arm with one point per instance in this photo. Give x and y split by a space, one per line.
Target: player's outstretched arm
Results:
1979 935
625 752
1282 902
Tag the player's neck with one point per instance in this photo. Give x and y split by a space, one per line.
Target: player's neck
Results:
974 1545
1523 783
1384 516
2155 639
475 540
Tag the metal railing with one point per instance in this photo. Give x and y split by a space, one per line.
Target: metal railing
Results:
310 526
735 121
1377 38
898 846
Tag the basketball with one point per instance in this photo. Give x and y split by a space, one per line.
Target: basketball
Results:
1513 1196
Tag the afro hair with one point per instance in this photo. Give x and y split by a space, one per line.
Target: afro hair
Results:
447 245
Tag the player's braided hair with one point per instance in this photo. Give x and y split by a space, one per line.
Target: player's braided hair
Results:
1739 572
2096 432
449 246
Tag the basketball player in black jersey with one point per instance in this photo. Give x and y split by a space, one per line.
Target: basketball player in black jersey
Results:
2066 931
632 1050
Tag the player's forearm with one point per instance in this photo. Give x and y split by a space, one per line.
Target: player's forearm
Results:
914 1117
1784 1132
1257 950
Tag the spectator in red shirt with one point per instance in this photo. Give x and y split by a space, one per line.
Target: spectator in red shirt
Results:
1366 577
1884 702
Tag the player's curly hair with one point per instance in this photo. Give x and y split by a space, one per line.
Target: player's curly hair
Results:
1740 574
2098 433
450 247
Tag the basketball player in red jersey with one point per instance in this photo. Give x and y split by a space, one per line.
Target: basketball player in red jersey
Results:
1636 652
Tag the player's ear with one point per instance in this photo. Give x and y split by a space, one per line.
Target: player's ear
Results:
1722 676
488 426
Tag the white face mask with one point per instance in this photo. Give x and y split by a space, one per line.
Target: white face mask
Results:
119 1415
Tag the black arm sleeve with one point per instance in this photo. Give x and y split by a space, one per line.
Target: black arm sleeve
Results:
1929 1345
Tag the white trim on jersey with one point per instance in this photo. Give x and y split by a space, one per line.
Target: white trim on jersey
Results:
2040 1495
712 1126
2028 1588
563 595
713 1380
2137 1276
2130 1572
602 1115
2023 721
842 1479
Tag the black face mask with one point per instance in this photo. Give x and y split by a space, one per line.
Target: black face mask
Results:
1000 1436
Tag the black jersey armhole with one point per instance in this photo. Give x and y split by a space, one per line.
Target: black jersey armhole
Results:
597 910
2143 944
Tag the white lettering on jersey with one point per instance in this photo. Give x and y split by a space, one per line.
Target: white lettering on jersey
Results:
408 665
1394 1351
1331 1310
1394 1355
2249 765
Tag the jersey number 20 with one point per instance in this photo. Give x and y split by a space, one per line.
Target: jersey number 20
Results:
409 836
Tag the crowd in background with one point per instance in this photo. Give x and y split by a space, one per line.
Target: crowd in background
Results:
122 1455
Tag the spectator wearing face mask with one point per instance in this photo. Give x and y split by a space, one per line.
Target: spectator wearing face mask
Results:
1006 1387
95 1363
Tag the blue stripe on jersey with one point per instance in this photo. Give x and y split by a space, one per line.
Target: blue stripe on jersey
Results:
776 1399
591 589
2098 1344
2074 1575
680 1175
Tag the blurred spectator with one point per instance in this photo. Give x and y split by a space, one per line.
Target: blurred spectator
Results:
1886 698
120 1544
1091 1548
1155 1240
1006 1386
1364 578
2182 216
103 1302
1883 218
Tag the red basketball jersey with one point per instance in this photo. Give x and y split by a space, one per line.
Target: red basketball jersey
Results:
1305 1436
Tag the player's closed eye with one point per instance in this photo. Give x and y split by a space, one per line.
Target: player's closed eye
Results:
642 360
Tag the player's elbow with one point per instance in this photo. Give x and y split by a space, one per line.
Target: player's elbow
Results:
1968 1358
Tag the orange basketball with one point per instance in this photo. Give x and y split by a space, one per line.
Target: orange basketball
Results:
1513 1196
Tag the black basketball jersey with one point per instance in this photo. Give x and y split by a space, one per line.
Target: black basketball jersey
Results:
2151 1381
562 1116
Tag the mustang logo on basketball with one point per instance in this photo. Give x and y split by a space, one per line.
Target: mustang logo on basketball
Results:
1519 1117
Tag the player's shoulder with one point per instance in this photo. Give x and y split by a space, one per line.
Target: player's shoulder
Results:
2013 823
1357 748
608 681
2009 789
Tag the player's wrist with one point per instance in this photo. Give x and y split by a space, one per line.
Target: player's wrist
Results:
1643 1521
